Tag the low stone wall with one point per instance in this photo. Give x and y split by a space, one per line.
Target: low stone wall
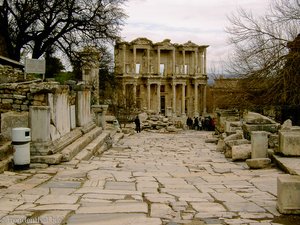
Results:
9 74
51 110
19 96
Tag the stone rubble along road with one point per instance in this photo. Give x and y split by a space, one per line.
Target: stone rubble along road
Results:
148 179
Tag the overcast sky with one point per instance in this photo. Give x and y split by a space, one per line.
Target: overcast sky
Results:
200 21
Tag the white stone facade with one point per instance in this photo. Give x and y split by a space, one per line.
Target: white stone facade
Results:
163 77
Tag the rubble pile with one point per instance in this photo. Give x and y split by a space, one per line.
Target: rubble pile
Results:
159 123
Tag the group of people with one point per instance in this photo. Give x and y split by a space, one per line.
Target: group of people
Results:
206 123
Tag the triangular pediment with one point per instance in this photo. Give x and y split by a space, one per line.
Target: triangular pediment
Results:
165 43
190 44
141 41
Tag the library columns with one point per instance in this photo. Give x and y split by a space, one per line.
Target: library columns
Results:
183 100
174 98
196 114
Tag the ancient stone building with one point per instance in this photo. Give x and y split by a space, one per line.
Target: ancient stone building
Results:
163 77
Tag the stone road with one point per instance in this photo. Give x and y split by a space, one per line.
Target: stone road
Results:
147 179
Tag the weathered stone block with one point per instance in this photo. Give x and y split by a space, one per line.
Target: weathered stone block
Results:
258 163
289 143
256 118
241 152
221 145
273 141
229 144
248 128
47 159
40 123
11 120
236 136
288 194
259 144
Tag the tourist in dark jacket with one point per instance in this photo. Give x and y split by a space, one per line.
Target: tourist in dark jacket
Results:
137 124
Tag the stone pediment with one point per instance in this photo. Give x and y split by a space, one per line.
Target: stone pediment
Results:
190 44
165 43
141 41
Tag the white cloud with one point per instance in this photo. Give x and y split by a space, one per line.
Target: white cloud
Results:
201 21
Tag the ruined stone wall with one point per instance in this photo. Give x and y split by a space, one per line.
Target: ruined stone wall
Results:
9 74
19 96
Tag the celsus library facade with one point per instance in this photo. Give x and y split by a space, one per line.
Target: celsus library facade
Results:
165 78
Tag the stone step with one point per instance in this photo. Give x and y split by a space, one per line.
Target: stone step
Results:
290 165
93 146
6 164
73 149
48 159
5 150
117 137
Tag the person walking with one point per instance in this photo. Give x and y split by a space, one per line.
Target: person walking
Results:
196 124
137 124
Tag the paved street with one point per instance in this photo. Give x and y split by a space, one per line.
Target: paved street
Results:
147 179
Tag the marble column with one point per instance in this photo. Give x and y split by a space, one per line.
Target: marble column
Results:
134 93
158 61
148 60
100 112
158 98
204 99
174 98
174 63
196 62
124 93
134 59
204 62
148 95
124 59
183 100
183 59
124 90
196 113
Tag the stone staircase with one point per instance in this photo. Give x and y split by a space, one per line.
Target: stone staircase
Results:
88 142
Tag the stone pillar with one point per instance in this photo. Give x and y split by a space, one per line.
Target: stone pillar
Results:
288 194
134 59
259 144
204 99
174 63
73 116
204 62
134 93
158 61
124 90
148 96
83 108
158 98
40 123
148 60
196 61
196 113
183 100
100 112
174 98
183 59
124 59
